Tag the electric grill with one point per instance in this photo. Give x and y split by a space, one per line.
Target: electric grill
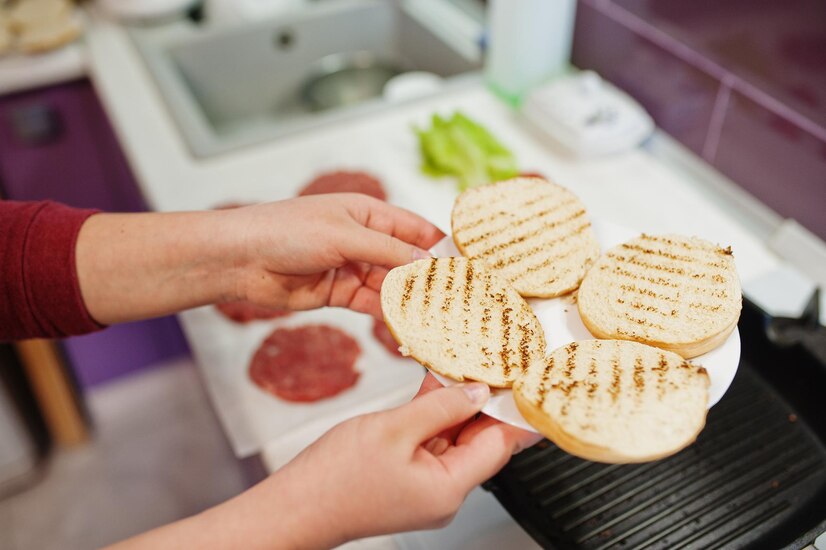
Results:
755 477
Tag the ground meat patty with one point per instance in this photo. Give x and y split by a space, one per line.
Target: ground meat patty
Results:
345 182
244 312
383 335
532 175
306 363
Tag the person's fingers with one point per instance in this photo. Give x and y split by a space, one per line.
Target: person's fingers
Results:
438 410
349 289
472 429
437 445
375 277
478 459
398 222
361 244
429 383
523 438
367 301
441 441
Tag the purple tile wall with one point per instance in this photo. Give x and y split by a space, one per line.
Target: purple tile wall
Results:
779 47
777 161
741 83
81 165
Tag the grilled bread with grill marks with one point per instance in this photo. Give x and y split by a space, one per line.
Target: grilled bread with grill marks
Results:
532 232
676 293
614 401
460 320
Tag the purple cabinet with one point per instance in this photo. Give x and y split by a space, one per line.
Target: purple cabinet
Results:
56 143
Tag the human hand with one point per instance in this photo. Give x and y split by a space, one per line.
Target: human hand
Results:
398 470
330 250
403 469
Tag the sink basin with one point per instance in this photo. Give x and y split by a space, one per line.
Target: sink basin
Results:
232 87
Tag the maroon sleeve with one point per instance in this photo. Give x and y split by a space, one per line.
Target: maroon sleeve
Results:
38 277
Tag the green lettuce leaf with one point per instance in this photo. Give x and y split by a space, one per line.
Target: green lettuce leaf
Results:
459 147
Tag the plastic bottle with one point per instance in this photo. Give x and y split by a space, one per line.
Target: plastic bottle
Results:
529 42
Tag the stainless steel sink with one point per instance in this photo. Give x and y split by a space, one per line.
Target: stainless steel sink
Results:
232 87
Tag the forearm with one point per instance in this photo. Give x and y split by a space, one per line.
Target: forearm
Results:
137 266
275 514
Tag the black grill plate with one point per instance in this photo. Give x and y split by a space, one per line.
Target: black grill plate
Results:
756 477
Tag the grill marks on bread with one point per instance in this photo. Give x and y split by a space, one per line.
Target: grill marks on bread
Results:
491 232
451 273
532 232
464 322
542 389
530 235
408 290
614 401
671 291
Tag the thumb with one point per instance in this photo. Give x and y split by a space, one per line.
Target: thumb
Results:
433 412
377 248
476 460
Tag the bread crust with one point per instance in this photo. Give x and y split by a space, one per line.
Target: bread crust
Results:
614 401
552 430
689 350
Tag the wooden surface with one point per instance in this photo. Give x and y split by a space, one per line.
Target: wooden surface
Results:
55 397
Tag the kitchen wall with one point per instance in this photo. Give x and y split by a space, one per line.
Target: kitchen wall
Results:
742 83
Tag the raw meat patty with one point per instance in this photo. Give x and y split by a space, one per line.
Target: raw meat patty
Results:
244 312
306 363
345 182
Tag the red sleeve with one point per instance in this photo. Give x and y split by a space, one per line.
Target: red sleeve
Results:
38 277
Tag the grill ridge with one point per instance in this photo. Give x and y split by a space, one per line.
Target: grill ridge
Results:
710 481
698 494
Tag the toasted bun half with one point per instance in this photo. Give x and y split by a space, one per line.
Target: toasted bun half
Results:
458 319
614 401
48 35
27 13
676 293
6 38
532 232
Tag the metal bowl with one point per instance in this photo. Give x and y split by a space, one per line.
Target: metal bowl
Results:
343 79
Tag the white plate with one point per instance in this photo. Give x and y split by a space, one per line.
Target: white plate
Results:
560 320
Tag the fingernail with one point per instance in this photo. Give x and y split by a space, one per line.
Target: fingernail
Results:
419 254
477 392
